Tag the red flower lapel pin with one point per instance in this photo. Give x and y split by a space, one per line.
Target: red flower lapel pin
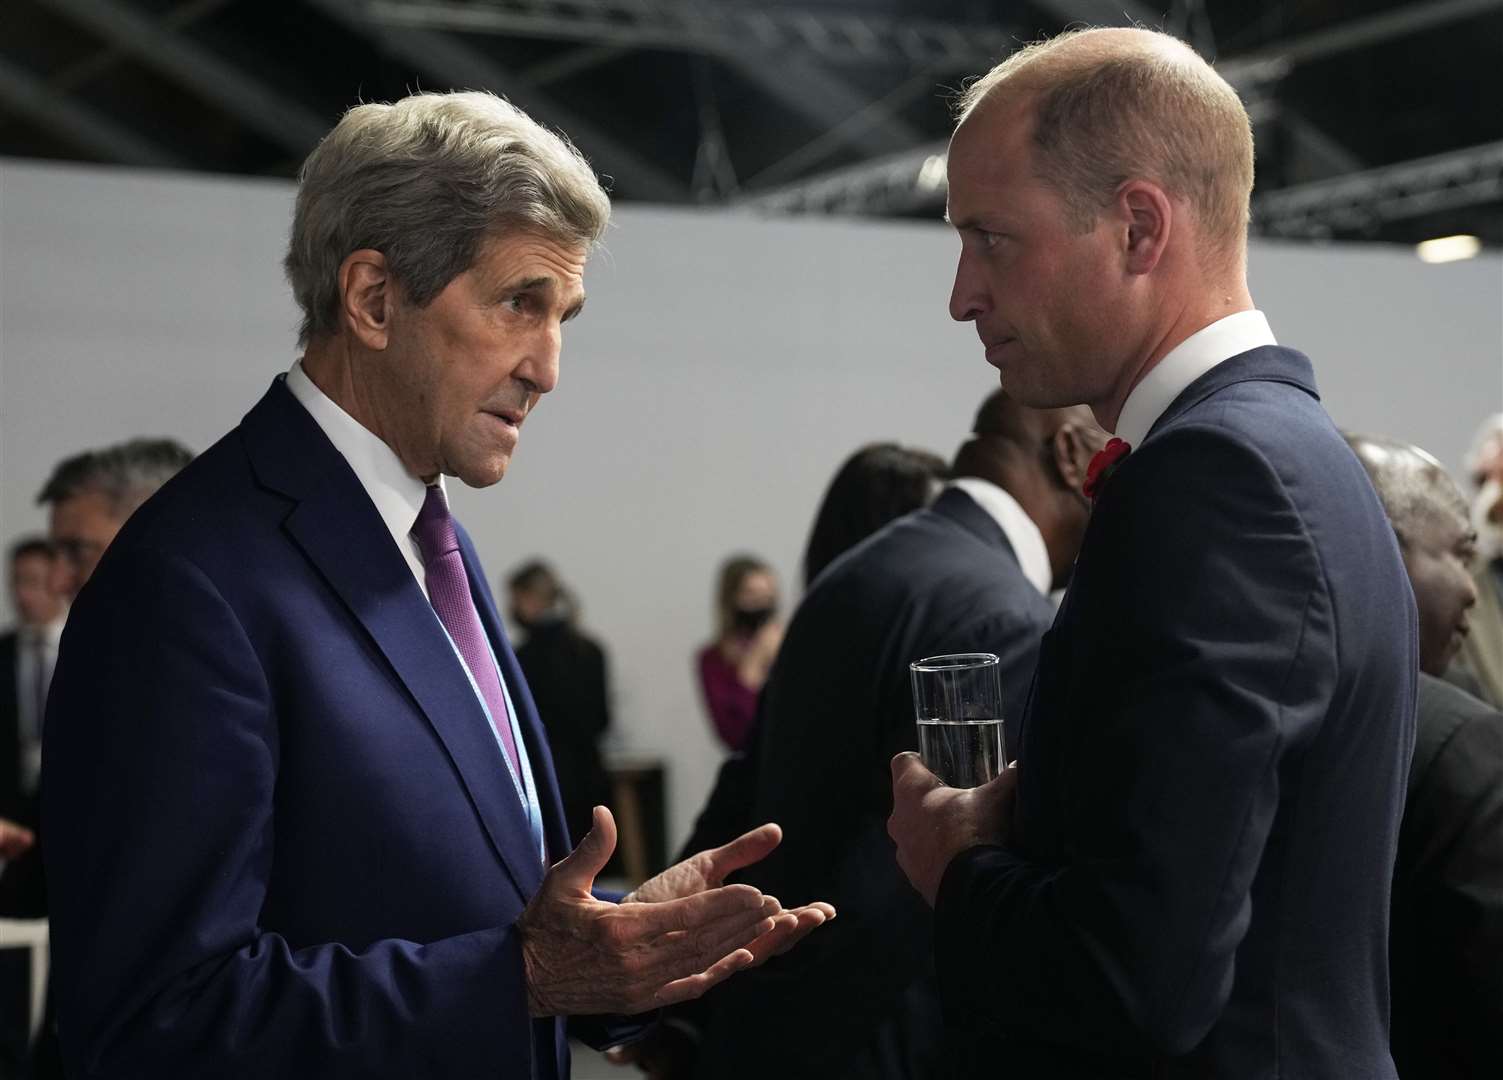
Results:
1103 465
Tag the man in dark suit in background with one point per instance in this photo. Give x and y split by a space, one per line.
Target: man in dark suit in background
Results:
1188 873
28 654
971 573
300 809
1447 938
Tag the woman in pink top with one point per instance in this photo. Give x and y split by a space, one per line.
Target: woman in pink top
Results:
734 666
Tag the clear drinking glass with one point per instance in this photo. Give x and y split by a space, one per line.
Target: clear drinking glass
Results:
957 700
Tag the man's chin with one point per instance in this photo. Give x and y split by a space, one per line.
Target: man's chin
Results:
483 474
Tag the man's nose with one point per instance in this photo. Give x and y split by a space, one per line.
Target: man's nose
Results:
540 372
968 296
62 578
1469 598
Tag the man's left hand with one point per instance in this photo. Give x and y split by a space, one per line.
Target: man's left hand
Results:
709 869
932 823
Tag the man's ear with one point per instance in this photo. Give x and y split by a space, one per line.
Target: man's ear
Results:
367 296
1071 448
1148 213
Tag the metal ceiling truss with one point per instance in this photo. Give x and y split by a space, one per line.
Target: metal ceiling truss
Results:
1278 59
455 63
915 179
154 43
1367 199
723 29
897 183
25 95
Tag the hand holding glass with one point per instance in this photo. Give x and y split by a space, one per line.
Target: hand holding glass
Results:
957 700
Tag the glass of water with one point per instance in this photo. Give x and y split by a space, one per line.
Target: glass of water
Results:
957 700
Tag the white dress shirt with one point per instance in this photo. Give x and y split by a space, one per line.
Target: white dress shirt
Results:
396 493
35 647
1024 536
1189 360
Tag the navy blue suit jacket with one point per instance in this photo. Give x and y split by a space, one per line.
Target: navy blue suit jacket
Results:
282 838
1213 765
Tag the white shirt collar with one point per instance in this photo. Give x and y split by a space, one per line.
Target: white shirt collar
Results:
1024 536
396 493
49 634
1189 360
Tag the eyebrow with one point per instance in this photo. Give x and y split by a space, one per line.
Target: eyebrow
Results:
541 282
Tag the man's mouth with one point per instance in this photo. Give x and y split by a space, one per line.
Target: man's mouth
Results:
994 348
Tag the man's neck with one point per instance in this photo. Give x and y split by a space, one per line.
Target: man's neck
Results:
1179 325
330 367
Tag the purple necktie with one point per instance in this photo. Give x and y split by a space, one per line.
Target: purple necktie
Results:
449 592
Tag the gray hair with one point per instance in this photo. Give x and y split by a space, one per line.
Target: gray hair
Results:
425 181
1411 484
126 474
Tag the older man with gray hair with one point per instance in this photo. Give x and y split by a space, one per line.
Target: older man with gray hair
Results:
303 820
1447 937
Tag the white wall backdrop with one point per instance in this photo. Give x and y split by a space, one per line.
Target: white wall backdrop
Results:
725 366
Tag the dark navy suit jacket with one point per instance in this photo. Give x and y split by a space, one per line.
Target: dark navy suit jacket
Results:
282 839
1213 765
857 1000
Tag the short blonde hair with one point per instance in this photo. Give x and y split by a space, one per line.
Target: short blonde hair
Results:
1111 105
425 181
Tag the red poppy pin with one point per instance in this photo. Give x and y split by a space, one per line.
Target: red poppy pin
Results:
1103 465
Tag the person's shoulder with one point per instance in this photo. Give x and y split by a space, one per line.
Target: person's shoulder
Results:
1454 730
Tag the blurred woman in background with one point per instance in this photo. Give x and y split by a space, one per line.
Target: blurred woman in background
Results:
733 667
876 484
566 671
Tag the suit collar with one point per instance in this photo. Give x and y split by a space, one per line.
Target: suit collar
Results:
955 505
1228 336
1270 363
334 522
1022 534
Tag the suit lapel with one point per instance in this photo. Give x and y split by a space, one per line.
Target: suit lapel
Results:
342 535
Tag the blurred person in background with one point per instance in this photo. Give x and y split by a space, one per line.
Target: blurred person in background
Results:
567 674
1447 924
872 487
92 494
1483 651
733 667
970 573
28 652
89 497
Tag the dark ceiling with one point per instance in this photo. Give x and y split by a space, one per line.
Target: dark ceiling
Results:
1376 119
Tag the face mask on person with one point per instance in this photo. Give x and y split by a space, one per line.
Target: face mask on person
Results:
749 620
1487 519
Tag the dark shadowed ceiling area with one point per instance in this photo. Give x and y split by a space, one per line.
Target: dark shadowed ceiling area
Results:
1376 120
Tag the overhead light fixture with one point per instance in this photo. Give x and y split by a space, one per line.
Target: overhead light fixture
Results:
1446 249
931 175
